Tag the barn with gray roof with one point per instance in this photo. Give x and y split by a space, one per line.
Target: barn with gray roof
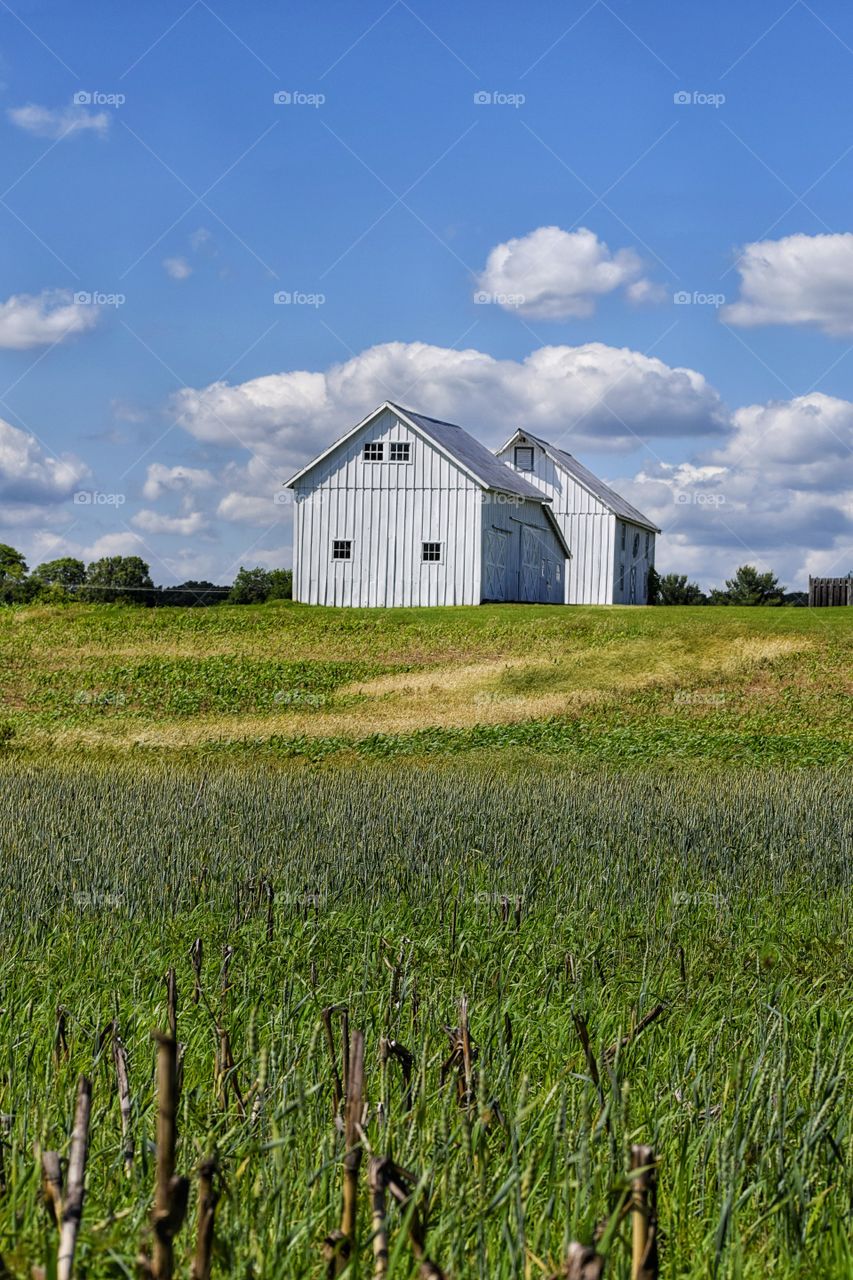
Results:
408 510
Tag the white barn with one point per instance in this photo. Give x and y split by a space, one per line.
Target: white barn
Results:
407 510
613 544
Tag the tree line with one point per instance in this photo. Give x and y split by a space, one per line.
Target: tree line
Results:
127 580
748 586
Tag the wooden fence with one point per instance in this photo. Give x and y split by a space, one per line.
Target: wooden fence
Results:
825 592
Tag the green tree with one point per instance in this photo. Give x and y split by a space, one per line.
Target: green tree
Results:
675 589
281 584
748 586
63 573
13 566
123 579
652 586
251 586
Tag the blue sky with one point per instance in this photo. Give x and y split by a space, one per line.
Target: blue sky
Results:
580 167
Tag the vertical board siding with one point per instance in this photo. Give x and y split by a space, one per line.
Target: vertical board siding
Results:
388 510
592 533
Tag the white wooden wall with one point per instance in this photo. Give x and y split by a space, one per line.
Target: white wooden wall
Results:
388 510
586 524
624 561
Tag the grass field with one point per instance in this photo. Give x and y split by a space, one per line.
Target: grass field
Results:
557 814
615 685
730 906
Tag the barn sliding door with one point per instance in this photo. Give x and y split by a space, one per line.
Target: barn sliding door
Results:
497 546
530 565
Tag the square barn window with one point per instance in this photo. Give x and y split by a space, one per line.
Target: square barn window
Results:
342 549
431 553
400 452
373 451
524 457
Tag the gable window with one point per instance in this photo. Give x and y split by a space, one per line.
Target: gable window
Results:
342 549
624 528
524 457
373 451
431 553
636 545
648 536
400 451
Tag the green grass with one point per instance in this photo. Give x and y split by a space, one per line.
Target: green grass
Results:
661 796
724 896
620 686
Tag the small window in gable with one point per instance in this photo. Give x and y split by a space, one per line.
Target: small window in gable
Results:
342 549
636 545
624 527
431 553
648 538
524 457
400 451
373 451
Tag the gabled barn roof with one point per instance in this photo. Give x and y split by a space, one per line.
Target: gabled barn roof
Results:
455 443
611 499
473 456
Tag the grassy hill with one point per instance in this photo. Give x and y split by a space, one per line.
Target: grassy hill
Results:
598 685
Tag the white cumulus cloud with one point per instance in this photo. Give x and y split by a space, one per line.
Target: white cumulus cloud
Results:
551 274
36 320
155 522
177 268
29 473
161 479
609 397
59 122
798 280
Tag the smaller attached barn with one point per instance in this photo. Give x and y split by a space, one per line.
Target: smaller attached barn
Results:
408 510
613 544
